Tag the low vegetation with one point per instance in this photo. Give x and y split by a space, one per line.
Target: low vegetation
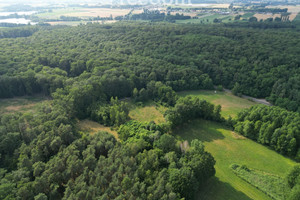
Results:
274 186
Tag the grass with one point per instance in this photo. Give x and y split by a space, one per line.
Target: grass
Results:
83 12
231 104
272 185
149 112
297 18
20 104
94 127
204 18
247 15
228 148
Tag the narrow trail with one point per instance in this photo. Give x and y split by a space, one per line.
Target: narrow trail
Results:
261 101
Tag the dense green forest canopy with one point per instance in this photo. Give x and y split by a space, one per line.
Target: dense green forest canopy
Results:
256 62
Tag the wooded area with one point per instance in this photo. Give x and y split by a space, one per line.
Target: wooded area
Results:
89 70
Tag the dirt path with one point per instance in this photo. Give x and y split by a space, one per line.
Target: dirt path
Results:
261 101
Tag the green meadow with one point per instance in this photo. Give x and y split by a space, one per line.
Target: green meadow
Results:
231 104
227 148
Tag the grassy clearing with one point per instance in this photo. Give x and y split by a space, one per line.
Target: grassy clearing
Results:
149 112
270 184
206 19
21 104
231 104
227 149
94 127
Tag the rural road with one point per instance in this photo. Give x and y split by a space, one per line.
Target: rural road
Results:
261 101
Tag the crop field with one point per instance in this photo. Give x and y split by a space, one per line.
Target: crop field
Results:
83 12
231 104
23 104
266 16
294 10
227 148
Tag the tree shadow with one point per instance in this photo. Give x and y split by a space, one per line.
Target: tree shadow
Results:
205 131
217 190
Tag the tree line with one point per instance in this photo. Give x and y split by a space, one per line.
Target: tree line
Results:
271 126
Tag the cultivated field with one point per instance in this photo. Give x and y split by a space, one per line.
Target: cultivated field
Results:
294 10
231 104
83 12
266 16
227 148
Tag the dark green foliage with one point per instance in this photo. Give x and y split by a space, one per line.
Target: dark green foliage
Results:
113 114
272 126
189 108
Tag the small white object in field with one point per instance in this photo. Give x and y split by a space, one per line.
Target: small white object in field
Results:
215 91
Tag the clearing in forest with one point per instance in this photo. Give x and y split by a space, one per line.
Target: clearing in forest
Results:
21 104
227 149
94 127
149 112
231 104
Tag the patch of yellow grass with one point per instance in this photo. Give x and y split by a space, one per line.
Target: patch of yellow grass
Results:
20 104
94 127
148 114
266 16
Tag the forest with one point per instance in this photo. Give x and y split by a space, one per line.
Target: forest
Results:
89 71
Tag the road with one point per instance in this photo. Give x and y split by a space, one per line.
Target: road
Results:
261 101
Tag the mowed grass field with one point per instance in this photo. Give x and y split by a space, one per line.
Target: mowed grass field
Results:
227 148
149 112
231 104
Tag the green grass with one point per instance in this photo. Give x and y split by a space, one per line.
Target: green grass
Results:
20 104
228 148
231 104
147 113
204 18
272 185
297 18
247 15
56 13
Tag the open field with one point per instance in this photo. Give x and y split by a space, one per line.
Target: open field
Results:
20 104
231 104
266 16
94 127
207 19
294 10
227 149
147 113
83 12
